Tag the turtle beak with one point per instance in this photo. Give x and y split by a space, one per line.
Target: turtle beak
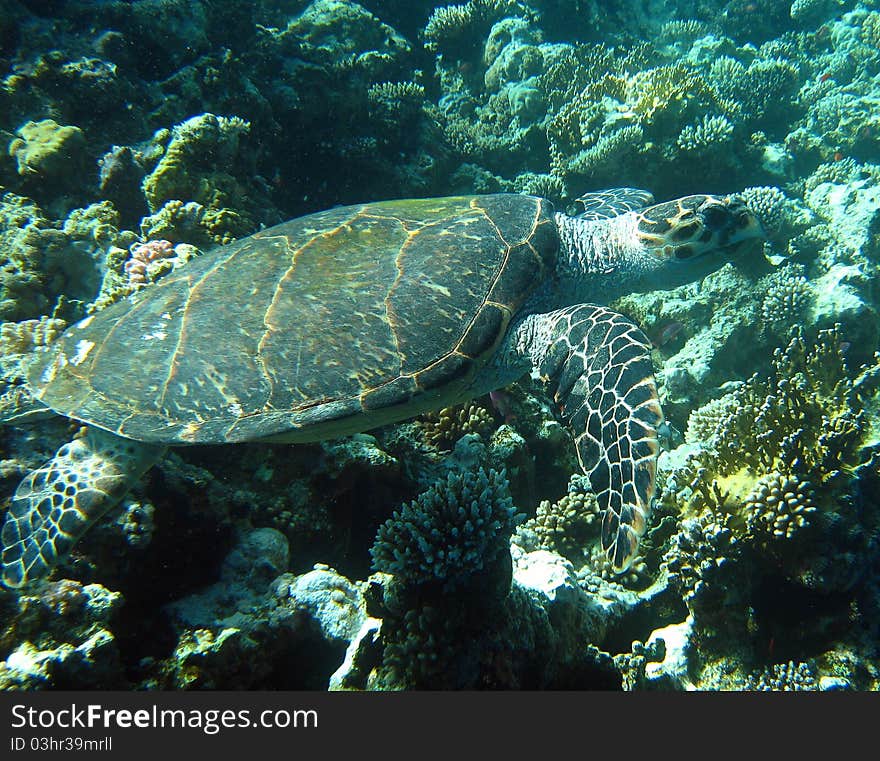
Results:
740 222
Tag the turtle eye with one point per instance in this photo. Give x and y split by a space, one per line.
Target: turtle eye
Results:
684 252
715 217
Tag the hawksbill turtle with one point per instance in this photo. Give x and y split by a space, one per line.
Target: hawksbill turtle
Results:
352 318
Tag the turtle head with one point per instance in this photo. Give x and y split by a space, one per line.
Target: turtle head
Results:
689 227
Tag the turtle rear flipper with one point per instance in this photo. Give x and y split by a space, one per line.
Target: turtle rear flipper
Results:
598 365
55 504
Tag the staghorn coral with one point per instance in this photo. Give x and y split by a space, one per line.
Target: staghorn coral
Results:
577 67
683 30
394 101
543 185
776 462
455 529
807 414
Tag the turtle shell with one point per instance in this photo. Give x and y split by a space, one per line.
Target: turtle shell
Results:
326 325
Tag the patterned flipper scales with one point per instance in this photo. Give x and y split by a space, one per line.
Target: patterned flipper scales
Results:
599 367
55 504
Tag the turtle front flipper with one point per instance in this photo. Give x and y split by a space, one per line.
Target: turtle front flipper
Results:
599 367
55 504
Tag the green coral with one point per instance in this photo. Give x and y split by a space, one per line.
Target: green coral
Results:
342 36
25 336
195 163
48 150
47 270
193 223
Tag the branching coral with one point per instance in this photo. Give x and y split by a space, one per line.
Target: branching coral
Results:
784 677
25 336
568 525
462 26
567 75
770 205
699 557
775 462
779 508
786 301
683 30
455 529
446 426
396 101
710 133
807 415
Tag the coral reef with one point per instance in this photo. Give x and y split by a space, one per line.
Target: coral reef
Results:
135 135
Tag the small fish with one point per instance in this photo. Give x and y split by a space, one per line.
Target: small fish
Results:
668 333
502 405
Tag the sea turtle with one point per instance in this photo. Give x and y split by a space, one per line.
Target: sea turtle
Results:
360 316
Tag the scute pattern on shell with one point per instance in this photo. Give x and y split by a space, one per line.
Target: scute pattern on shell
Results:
300 330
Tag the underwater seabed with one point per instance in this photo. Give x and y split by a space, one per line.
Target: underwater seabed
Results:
135 136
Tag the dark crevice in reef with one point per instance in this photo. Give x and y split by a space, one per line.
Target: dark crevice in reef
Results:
798 623
193 545
642 620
